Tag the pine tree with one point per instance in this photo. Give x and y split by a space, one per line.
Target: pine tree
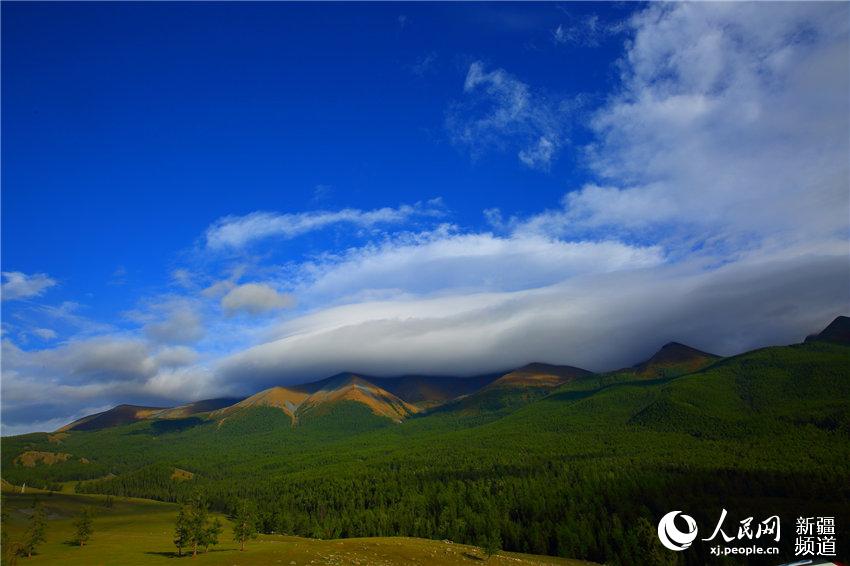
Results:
11 549
211 534
83 524
244 523
491 543
650 550
194 529
197 524
181 529
35 534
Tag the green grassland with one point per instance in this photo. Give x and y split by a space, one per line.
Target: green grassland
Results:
572 474
139 532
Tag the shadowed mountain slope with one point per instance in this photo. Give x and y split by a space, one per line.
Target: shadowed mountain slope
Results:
674 357
195 408
837 332
116 416
514 389
428 391
540 375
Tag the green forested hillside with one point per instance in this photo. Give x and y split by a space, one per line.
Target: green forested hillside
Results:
584 471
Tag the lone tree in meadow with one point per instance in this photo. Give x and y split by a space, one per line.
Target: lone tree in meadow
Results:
83 525
181 530
492 543
244 523
36 532
194 529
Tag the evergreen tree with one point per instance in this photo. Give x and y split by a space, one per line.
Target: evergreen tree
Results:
181 529
650 550
194 529
211 534
491 543
244 523
11 549
35 534
83 524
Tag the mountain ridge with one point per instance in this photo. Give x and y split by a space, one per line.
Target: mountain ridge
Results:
400 397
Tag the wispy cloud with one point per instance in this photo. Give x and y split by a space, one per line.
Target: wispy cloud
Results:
68 314
503 113
119 276
45 333
424 64
19 285
321 193
589 30
233 232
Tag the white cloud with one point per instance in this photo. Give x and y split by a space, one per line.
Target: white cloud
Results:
424 65
175 356
443 261
588 30
19 285
539 156
322 192
174 322
598 321
732 124
45 333
218 289
184 383
183 277
254 298
502 112
67 313
239 231
90 375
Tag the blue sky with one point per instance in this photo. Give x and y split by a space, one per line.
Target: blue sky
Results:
207 199
142 115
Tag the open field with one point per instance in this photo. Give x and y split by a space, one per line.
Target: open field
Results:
139 532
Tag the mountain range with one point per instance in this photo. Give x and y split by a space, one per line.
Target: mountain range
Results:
398 398
554 459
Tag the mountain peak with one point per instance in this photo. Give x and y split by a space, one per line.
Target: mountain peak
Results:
838 331
118 415
351 387
675 357
278 397
538 374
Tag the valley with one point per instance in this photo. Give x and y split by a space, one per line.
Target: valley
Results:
133 532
